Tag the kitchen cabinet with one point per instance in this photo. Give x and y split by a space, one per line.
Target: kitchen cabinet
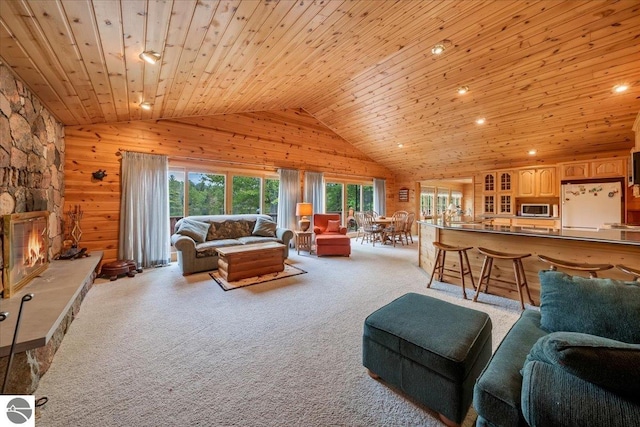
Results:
608 168
575 170
538 182
497 192
601 168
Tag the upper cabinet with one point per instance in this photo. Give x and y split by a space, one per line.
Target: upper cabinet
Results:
608 168
575 170
538 182
602 168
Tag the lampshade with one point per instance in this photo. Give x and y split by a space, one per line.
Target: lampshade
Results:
303 209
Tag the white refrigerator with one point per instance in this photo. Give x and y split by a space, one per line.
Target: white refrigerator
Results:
590 206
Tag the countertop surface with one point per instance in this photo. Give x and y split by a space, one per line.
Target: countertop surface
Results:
619 236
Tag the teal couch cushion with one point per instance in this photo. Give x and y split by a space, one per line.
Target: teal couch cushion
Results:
607 363
496 395
603 307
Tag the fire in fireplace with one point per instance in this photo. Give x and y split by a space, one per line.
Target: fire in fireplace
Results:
26 248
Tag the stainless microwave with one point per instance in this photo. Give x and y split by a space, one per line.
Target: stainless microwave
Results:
535 209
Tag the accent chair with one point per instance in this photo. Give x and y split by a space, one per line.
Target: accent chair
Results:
331 236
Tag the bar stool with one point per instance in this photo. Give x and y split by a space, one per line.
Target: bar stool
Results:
632 271
592 269
465 267
518 270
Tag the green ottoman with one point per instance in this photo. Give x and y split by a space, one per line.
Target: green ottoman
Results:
430 349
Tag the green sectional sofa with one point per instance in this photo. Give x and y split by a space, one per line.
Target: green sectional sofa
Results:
197 237
574 363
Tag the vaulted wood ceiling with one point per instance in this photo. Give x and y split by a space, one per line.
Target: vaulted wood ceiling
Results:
540 72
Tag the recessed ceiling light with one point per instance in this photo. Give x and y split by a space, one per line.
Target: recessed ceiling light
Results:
437 49
150 56
145 105
400 145
533 152
620 88
480 121
463 89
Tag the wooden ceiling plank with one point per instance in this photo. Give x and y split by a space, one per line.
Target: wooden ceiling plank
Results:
271 73
179 59
133 26
109 24
83 27
20 22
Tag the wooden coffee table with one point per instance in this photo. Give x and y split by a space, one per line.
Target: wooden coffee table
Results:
240 262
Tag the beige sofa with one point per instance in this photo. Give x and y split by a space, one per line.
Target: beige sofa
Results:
197 237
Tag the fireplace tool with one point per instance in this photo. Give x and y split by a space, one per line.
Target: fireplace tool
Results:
27 297
3 316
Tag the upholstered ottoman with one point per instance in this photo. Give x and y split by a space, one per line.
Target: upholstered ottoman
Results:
430 349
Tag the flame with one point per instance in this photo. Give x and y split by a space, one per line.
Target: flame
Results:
34 249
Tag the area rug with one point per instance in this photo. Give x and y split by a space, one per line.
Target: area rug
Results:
288 271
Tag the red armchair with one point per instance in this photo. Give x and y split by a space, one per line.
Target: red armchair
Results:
331 238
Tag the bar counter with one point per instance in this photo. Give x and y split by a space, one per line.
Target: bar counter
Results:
613 246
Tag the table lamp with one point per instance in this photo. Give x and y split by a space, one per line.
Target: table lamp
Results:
302 210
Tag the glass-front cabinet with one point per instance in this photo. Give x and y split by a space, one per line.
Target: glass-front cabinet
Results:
505 192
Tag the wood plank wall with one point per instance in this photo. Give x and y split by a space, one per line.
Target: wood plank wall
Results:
290 139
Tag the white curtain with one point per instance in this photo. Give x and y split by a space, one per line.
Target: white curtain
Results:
314 190
144 209
380 196
288 196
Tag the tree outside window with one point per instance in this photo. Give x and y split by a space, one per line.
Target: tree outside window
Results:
206 194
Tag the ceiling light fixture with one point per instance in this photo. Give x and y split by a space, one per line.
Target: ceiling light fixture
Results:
150 56
145 105
400 145
620 88
463 89
437 49
480 121
533 152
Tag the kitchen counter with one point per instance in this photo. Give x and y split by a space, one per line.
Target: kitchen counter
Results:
613 235
612 246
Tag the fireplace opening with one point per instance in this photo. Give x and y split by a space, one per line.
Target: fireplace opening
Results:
26 249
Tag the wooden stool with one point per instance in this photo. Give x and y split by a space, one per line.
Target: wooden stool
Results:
591 268
518 270
632 271
114 268
438 266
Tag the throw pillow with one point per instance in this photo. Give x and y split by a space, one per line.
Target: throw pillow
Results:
607 363
333 226
265 228
195 229
603 307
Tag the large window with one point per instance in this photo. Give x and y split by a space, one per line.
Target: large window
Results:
246 195
176 193
333 198
206 194
221 192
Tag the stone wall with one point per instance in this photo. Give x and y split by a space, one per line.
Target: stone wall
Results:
31 158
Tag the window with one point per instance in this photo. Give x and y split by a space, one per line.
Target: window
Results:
359 198
176 193
333 197
270 197
427 201
206 194
245 195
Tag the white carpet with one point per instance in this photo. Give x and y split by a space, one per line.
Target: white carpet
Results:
161 349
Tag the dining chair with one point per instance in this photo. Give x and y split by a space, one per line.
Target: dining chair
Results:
408 225
371 230
395 230
359 216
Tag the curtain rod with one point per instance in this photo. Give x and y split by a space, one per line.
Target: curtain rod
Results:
229 162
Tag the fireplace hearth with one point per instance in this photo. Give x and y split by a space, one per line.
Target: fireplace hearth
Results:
26 249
